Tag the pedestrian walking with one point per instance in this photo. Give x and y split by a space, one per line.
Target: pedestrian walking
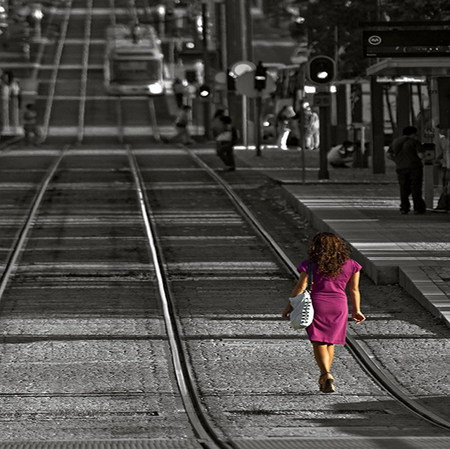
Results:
405 152
179 91
332 270
313 134
225 141
30 126
181 127
311 128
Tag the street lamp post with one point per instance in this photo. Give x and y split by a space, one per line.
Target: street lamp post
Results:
260 85
207 102
37 15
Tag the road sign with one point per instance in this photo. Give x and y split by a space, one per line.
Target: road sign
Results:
241 67
245 85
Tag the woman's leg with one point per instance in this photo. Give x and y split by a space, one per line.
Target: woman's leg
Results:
323 355
330 349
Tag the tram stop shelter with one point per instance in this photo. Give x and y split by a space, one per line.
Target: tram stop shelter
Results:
435 69
397 67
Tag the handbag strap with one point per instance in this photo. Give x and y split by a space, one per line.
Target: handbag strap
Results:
310 276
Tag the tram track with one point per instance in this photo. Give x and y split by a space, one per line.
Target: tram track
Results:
19 242
84 71
122 108
54 75
72 100
207 435
201 424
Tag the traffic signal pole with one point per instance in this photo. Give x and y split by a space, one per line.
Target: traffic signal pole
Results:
238 48
260 85
324 120
321 72
258 123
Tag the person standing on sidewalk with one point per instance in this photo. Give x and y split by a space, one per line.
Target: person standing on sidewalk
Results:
182 126
226 139
332 270
405 152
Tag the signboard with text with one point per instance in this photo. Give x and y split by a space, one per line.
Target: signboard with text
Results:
406 43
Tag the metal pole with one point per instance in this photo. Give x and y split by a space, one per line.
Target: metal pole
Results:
206 103
378 157
324 120
245 120
302 139
258 123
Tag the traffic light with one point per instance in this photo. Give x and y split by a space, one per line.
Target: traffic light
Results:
204 91
321 70
260 77
231 80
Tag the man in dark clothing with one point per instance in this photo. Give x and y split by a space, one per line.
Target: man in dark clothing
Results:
404 151
225 140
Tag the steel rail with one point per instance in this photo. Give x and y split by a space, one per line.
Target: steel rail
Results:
206 435
153 119
84 71
365 360
56 66
29 221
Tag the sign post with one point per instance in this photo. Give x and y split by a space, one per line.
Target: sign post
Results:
237 70
259 84
245 85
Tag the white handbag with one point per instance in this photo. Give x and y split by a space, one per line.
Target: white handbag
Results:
302 313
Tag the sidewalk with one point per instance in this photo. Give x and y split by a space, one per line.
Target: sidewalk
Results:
363 208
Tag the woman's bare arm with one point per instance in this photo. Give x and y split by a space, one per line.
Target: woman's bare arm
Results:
355 297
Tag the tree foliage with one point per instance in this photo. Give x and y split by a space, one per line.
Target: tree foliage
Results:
334 27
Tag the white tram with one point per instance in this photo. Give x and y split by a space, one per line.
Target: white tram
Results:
133 61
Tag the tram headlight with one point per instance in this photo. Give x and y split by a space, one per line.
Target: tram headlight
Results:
155 89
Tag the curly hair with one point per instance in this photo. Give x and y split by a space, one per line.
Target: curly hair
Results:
329 252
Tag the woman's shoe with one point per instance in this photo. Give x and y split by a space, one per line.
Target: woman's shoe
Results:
326 385
322 381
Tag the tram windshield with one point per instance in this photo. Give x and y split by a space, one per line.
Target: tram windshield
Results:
126 71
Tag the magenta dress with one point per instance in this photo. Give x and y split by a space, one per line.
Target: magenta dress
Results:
330 304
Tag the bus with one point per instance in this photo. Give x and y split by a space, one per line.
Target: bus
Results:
134 62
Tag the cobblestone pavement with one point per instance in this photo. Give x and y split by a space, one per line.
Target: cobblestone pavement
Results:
256 376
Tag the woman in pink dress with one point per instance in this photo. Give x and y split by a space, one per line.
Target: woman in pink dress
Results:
332 271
